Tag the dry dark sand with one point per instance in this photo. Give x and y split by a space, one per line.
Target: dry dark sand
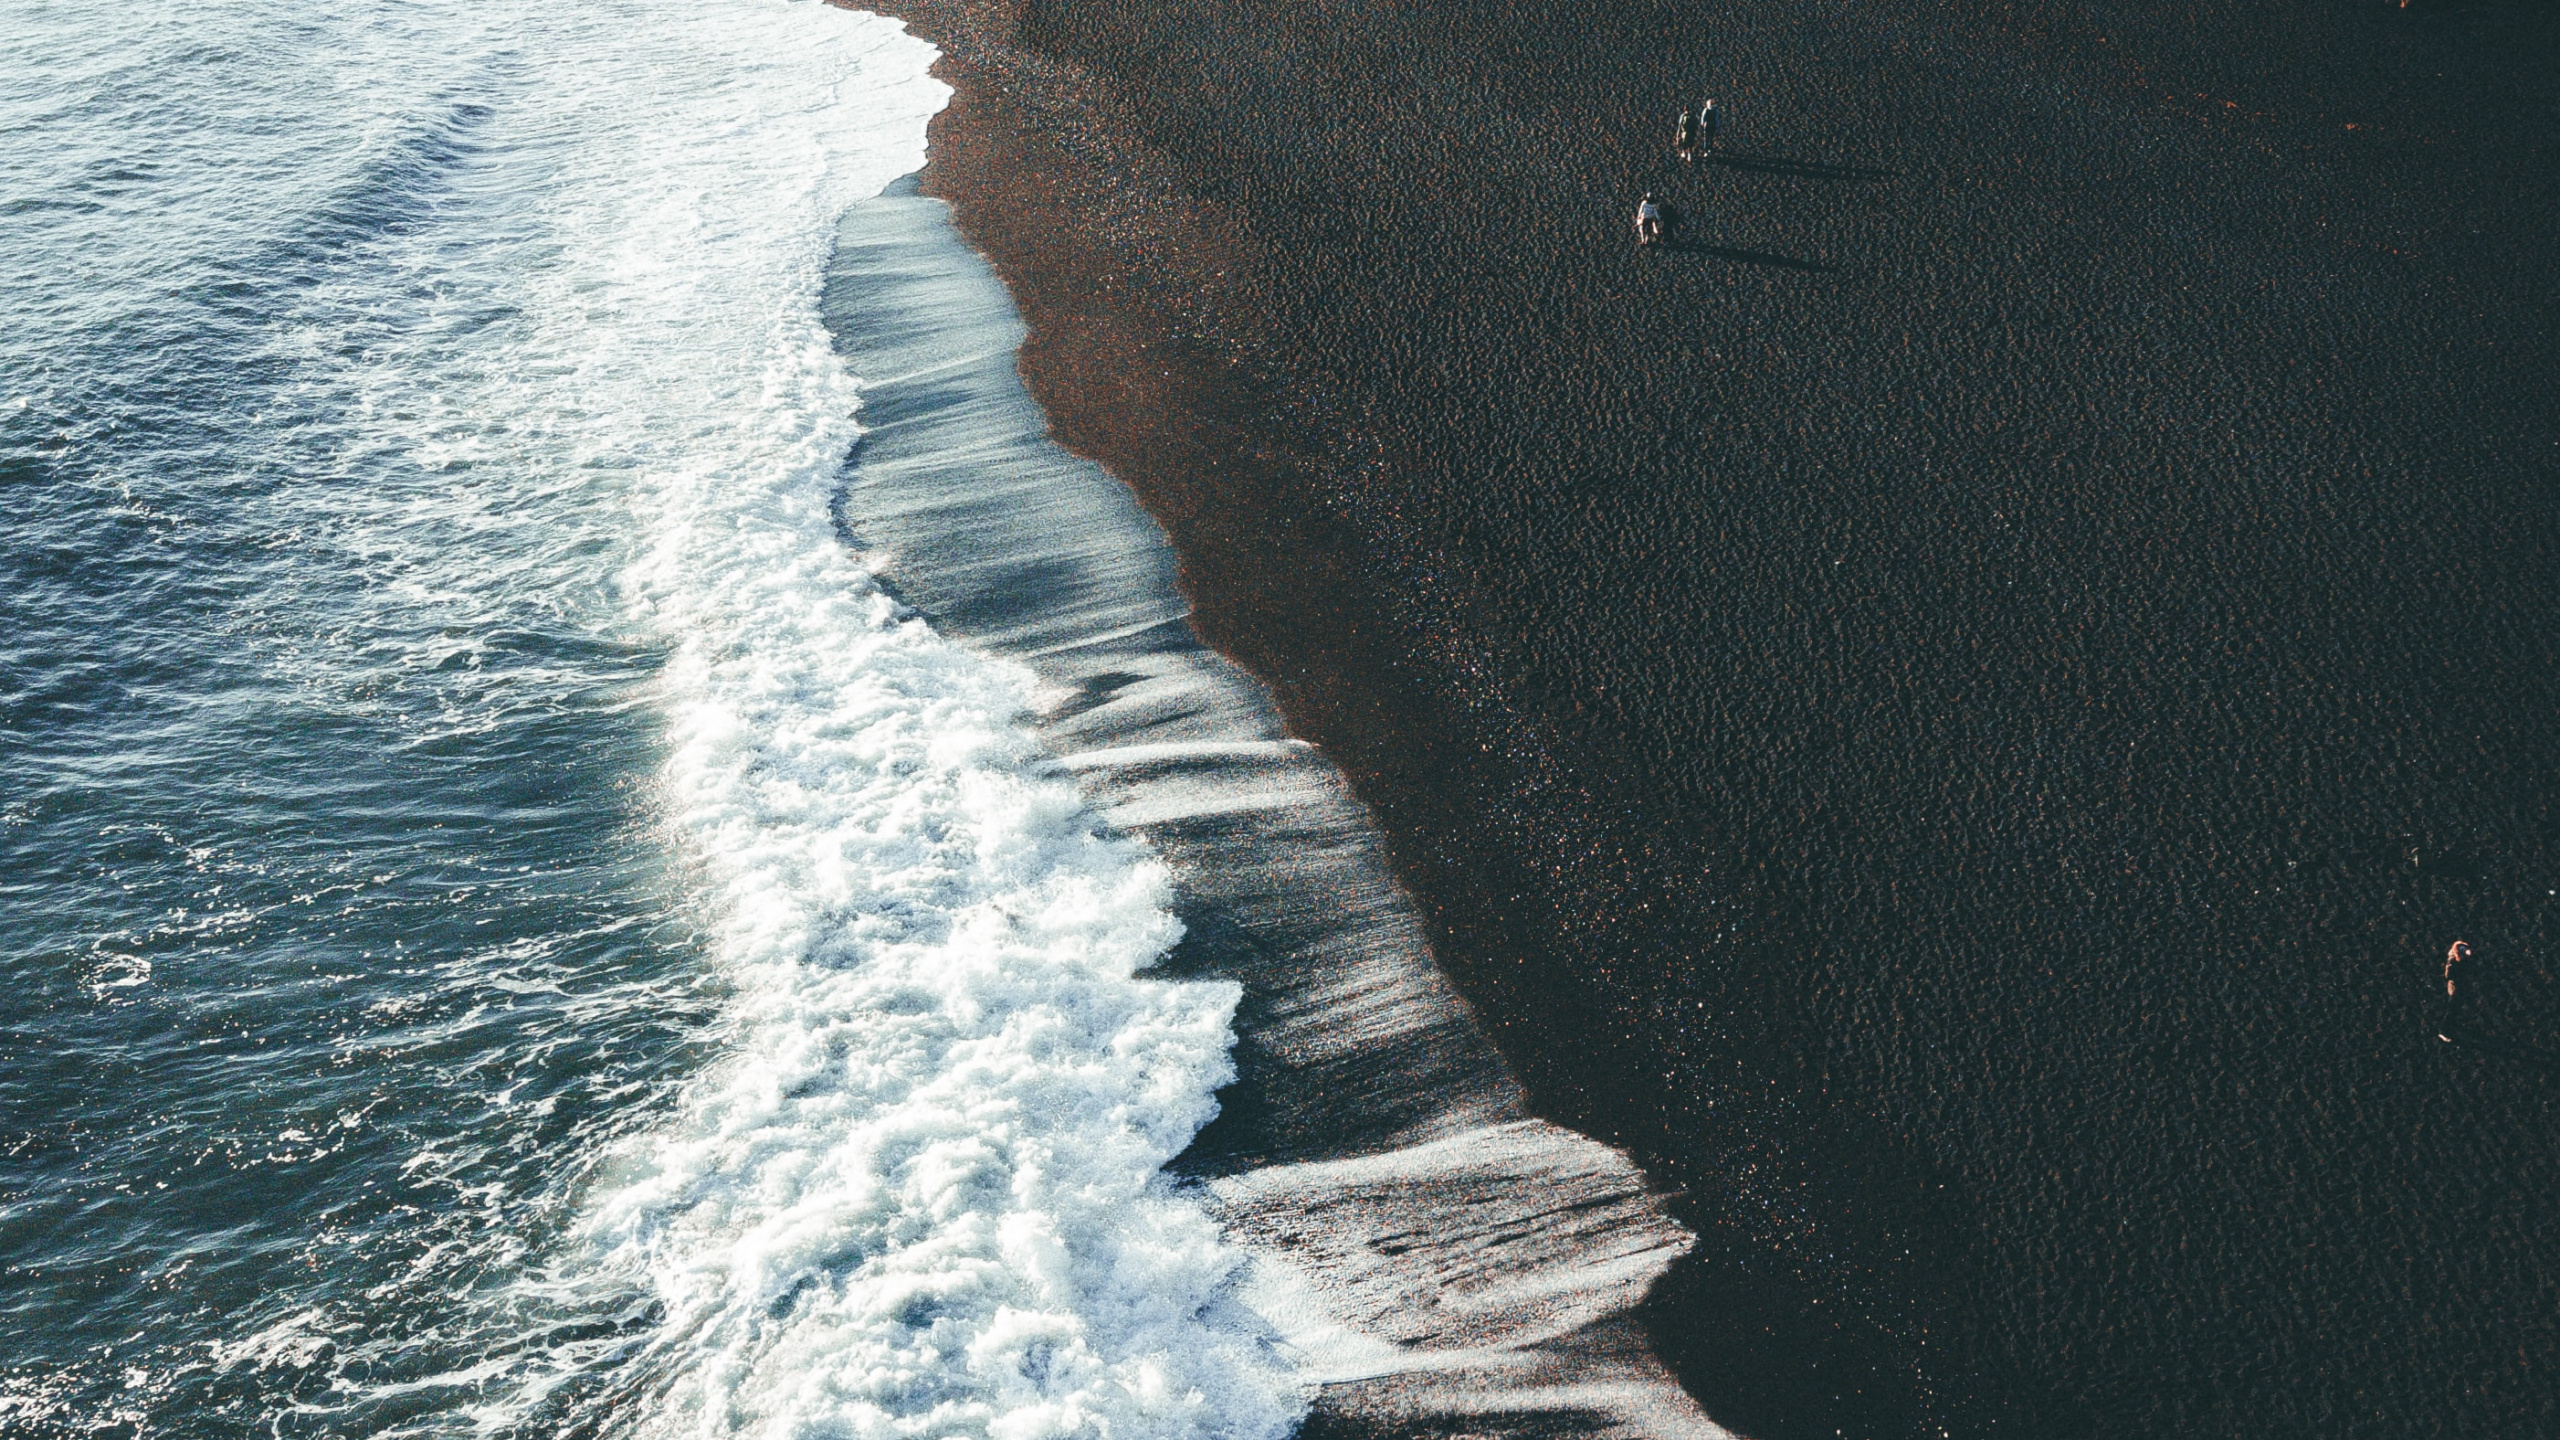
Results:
1954 714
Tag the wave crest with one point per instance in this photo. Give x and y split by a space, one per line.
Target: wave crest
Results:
925 1194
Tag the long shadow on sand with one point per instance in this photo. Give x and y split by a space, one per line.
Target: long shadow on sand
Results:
1750 257
2476 1040
1799 169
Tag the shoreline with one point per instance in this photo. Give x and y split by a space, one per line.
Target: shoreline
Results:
1432 1256
1105 255
1777 833
1076 224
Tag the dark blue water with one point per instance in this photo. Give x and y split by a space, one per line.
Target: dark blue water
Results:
506 929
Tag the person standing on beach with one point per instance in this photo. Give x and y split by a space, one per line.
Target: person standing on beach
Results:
1686 140
2453 1010
1708 123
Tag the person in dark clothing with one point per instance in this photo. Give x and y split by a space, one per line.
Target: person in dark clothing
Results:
1685 142
2455 1009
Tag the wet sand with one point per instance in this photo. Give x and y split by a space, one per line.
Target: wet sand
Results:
1429 1254
1953 714
1433 1257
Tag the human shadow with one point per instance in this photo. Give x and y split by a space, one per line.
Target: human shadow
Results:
2468 1035
1751 257
1798 169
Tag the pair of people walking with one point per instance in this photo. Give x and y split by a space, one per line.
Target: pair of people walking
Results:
1697 133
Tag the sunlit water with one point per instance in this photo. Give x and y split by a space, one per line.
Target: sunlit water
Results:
508 930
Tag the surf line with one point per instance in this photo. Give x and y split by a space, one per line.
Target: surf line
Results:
1429 1252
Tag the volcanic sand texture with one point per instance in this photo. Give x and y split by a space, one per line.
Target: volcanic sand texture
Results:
1957 712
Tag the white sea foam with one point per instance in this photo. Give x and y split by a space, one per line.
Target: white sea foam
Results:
923 1196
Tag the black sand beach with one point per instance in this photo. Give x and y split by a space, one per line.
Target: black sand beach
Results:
1954 713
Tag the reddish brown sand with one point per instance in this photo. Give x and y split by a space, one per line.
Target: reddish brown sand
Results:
1955 714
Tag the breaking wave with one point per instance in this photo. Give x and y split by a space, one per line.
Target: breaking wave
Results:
923 1196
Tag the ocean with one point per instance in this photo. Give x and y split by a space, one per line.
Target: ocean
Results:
511 930
600 836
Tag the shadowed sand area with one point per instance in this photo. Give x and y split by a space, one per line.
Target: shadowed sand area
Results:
1953 714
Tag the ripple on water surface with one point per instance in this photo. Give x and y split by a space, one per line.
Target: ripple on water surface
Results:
512 930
